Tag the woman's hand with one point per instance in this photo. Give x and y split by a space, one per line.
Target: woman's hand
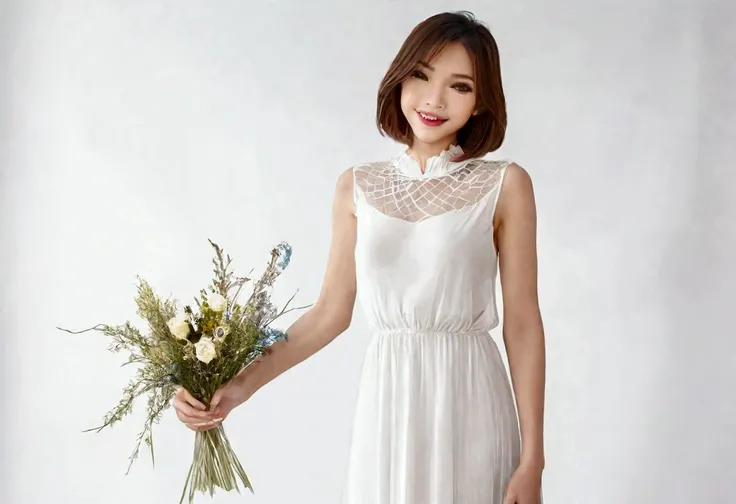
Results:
229 396
525 486
192 412
195 415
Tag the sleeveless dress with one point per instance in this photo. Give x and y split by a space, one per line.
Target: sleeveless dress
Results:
435 419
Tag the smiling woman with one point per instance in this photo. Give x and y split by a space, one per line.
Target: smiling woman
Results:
441 94
420 239
459 96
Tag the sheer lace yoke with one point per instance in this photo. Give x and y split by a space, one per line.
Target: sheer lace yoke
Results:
397 188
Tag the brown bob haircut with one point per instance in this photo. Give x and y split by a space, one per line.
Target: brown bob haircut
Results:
485 131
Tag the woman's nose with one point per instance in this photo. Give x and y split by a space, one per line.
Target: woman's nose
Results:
435 98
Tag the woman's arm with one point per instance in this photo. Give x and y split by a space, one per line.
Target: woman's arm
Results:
332 313
523 331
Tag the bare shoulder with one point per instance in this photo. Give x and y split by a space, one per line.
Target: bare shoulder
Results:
517 178
517 193
345 181
344 191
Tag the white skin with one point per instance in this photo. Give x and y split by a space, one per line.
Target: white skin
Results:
437 90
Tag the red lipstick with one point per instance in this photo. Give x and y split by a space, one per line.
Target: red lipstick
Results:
430 119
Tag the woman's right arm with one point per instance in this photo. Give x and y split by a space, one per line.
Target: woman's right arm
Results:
331 315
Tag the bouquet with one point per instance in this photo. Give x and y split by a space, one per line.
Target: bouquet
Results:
200 350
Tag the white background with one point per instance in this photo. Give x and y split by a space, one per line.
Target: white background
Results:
132 131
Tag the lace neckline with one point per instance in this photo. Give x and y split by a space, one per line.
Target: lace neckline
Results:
436 166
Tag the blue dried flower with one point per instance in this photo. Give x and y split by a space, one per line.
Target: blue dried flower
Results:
269 336
284 251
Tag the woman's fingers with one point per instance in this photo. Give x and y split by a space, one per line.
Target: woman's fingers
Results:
190 419
187 397
185 408
197 423
198 426
193 413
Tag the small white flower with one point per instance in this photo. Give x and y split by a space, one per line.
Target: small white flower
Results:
179 326
205 349
217 302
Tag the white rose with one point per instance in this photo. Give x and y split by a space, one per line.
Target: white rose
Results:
205 349
179 326
217 302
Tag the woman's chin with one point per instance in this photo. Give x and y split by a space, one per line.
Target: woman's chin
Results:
432 135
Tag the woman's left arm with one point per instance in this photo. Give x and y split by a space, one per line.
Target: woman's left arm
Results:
523 331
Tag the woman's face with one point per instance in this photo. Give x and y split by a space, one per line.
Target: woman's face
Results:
439 97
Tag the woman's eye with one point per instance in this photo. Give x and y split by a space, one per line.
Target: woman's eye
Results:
419 75
463 88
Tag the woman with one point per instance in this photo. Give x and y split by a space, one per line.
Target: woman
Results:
420 239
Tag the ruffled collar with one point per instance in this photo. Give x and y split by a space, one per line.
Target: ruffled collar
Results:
438 165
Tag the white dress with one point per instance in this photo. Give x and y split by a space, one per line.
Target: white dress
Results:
436 421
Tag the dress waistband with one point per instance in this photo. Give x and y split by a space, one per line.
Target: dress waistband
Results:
426 332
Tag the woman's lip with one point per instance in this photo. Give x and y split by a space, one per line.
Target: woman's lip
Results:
430 122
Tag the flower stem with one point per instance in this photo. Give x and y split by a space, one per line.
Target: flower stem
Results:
214 465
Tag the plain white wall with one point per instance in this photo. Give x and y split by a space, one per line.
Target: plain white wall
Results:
132 131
